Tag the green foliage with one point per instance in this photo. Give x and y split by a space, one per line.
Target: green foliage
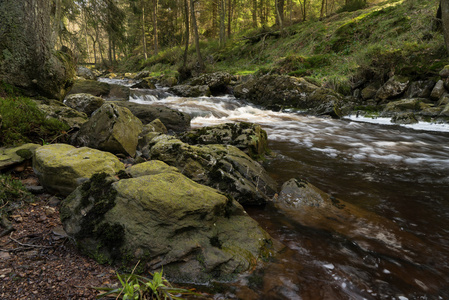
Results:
138 287
24 122
353 5
297 65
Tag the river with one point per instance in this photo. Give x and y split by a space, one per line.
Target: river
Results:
397 172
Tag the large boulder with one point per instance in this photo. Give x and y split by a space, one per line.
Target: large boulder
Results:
61 167
93 87
304 203
164 220
217 82
248 137
420 89
172 119
185 90
13 156
394 87
85 103
111 128
403 105
438 90
278 92
57 110
223 167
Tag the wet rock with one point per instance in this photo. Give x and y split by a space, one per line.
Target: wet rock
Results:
248 137
10 157
93 87
217 82
184 90
278 92
223 167
404 118
420 89
142 74
172 119
394 87
111 128
370 91
149 95
58 110
164 220
85 103
150 131
145 83
306 204
404 105
85 73
168 81
438 90
118 93
445 111
61 167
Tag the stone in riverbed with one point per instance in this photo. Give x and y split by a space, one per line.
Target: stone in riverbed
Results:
13 156
164 220
61 167
85 103
111 128
223 167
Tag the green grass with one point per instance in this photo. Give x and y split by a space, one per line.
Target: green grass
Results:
12 195
23 122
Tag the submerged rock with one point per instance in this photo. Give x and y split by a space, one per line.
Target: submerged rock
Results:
111 128
311 207
164 220
223 167
61 167
248 137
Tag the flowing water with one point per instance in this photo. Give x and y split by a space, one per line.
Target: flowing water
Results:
398 173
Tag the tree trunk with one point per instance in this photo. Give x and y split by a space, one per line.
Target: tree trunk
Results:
445 19
27 57
222 23
144 39
229 17
186 9
155 37
254 13
197 37
279 6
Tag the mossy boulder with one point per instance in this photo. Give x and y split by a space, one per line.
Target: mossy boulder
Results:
248 137
92 87
394 87
85 73
111 128
172 119
164 220
401 106
60 111
438 90
12 156
145 83
61 167
280 92
185 90
404 118
118 93
85 103
420 89
223 167
150 131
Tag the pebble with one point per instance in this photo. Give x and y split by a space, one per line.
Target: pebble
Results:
17 218
5 255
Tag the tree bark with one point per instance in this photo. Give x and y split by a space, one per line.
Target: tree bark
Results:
197 37
445 19
155 29
186 9
27 56
254 13
144 39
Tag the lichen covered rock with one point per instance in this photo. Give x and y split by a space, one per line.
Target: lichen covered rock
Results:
164 220
223 167
16 155
61 167
111 128
248 137
58 110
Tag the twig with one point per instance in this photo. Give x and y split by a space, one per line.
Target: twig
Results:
7 231
29 245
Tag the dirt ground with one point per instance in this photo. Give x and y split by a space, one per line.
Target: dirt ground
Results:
37 259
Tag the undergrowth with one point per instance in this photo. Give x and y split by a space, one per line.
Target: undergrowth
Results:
380 39
23 122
